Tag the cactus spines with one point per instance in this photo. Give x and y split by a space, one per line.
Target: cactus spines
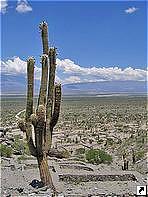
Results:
43 120
44 32
57 104
30 88
50 97
44 80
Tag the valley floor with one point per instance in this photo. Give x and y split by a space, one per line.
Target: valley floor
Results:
115 125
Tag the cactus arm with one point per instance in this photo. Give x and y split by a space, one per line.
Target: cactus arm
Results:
29 106
49 105
31 146
57 104
21 125
30 87
52 60
33 119
44 32
44 80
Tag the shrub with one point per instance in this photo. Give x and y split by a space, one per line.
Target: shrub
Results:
65 153
140 155
22 157
21 146
26 148
100 141
97 156
5 151
110 141
80 151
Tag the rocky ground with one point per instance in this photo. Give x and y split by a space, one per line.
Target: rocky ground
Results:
71 177
114 125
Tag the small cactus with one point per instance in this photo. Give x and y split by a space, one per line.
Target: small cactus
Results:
125 162
133 156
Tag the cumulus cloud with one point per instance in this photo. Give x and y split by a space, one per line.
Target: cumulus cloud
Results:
69 68
72 79
131 10
3 6
16 66
23 6
69 72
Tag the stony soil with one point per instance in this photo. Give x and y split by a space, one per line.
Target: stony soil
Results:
79 178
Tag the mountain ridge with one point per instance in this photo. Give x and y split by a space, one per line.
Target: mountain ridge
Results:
15 85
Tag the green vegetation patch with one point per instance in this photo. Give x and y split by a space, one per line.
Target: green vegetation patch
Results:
97 156
80 151
20 145
5 151
110 141
140 154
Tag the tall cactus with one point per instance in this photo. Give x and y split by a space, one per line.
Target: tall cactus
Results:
46 115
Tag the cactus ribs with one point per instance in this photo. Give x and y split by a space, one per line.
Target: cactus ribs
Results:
48 108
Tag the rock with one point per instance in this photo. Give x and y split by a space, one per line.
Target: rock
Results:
96 177
36 184
8 143
20 190
1 134
1 129
61 153
4 143
10 138
53 169
12 167
32 194
61 195
8 195
17 153
40 185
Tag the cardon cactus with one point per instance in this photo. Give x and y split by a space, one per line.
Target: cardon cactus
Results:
46 115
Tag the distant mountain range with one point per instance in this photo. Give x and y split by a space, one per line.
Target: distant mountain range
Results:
11 84
106 87
15 85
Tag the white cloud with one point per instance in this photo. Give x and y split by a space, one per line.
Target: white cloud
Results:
69 68
3 6
131 10
72 79
16 66
23 6
69 72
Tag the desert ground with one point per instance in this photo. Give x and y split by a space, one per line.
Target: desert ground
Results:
96 137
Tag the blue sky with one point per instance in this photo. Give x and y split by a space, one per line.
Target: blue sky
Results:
103 37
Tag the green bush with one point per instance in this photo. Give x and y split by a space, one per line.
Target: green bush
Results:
80 151
21 146
22 157
110 141
140 155
26 149
5 151
100 141
65 153
97 156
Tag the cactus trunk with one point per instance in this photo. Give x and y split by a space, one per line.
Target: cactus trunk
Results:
44 170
